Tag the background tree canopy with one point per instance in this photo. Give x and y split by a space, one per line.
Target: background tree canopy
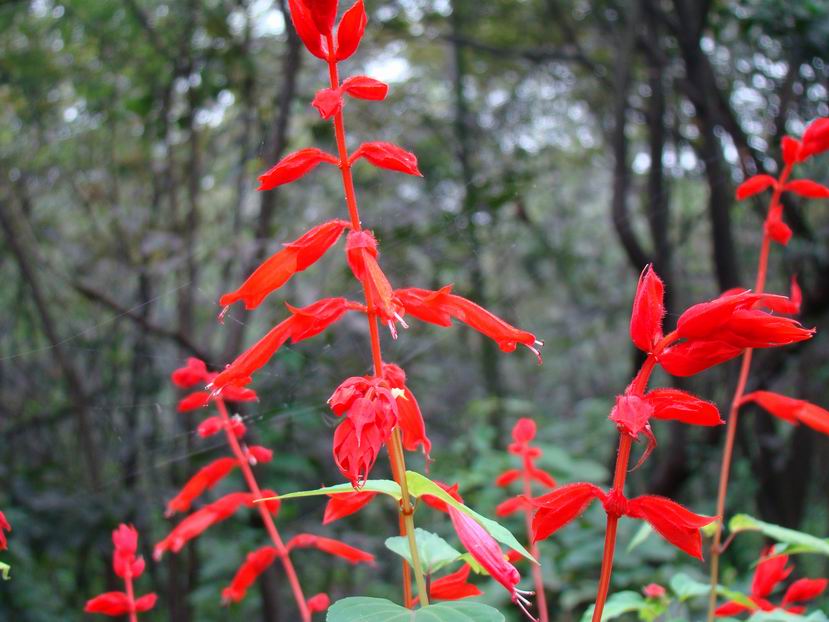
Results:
564 145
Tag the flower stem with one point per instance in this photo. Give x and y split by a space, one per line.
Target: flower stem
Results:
130 596
264 513
622 459
734 409
538 573
394 446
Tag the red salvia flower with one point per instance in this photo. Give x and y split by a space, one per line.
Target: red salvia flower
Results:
344 504
207 477
216 425
654 591
523 433
307 29
318 603
648 311
329 102
295 257
4 527
673 522
807 189
792 410
755 185
815 139
351 29
409 417
254 565
331 546
370 410
562 505
454 586
193 373
770 572
488 554
128 567
439 307
323 12
361 253
388 156
293 166
439 504
691 357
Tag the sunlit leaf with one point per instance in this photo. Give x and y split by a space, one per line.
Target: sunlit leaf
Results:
363 609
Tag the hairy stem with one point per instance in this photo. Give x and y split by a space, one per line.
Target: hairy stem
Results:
394 446
264 513
734 409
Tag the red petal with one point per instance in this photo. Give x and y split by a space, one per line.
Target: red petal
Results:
676 405
754 185
109 604
512 505
145 603
323 12
215 425
342 505
803 590
543 478
328 102
791 149
508 477
776 229
307 29
350 31
648 311
770 571
363 87
194 401
254 565
239 394
692 357
631 414
427 305
388 156
294 166
729 609
751 328
295 257
239 372
700 320
318 603
524 430
256 454
307 322
791 409
195 372
559 507
454 586
815 139
807 188
673 522
207 477
505 335
332 547
439 504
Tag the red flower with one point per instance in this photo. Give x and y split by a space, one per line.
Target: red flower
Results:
330 546
673 522
648 311
388 156
654 591
254 565
815 139
128 567
215 425
692 357
775 228
323 12
307 29
454 586
328 102
676 405
557 508
409 417
488 554
791 410
755 185
295 257
318 603
361 253
522 434
770 572
439 307
351 29
363 87
293 166
440 504
197 522
807 188
344 504
370 410
302 324
4 526
193 373
207 477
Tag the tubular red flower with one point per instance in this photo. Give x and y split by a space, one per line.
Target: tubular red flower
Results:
807 188
344 504
409 416
454 586
193 373
648 310
215 425
254 565
328 102
323 12
294 257
775 228
318 603
193 401
792 410
562 505
804 590
293 166
195 524
124 561
438 307
654 590
512 505
361 252
673 522
755 185
207 477
791 149
363 87
109 604
631 415
388 156
4 527
307 29
351 29
815 139
331 546
676 405
256 454
692 357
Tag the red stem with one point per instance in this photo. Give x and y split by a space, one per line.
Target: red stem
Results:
538 573
264 513
130 595
736 402
396 456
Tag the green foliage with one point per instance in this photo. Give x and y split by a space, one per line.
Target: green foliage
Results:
434 551
793 541
362 609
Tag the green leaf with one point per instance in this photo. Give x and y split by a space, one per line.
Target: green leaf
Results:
474 564
642 534
616 605
685 587
363 609
384 486
801 542
784 616
434 551
420 485
5 571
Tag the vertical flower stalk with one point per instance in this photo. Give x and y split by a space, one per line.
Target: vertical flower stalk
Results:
815 140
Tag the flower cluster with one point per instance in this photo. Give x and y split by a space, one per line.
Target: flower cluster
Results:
128 567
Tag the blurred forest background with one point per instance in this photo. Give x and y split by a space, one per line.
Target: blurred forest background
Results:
565 144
